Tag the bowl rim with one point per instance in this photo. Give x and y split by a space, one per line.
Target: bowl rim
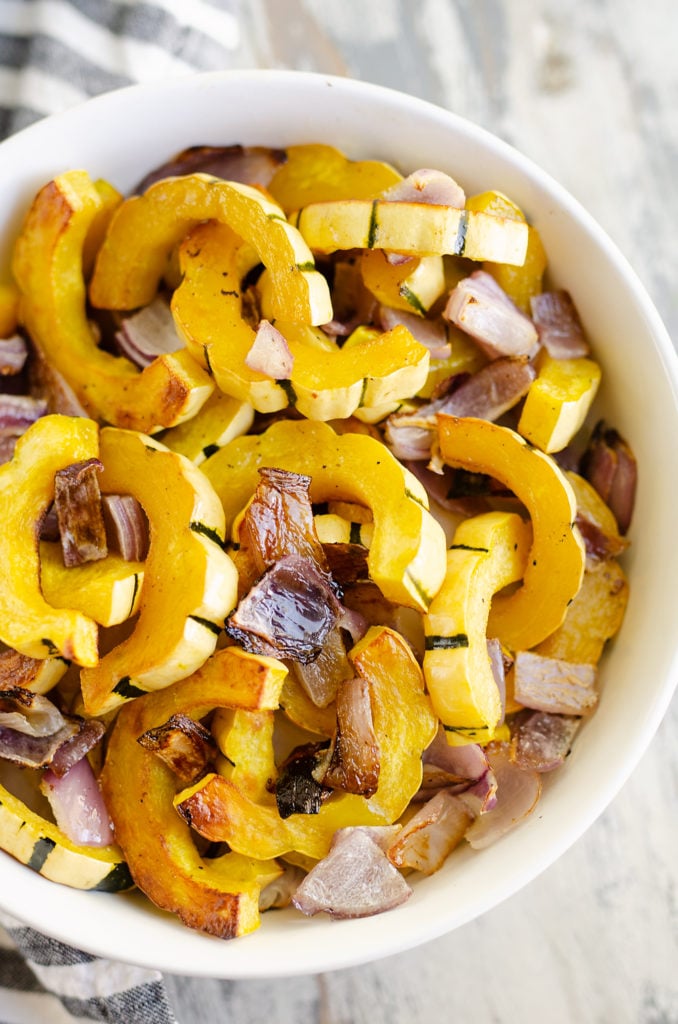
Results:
364 940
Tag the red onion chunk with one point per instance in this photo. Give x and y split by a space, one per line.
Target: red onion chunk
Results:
481 308
321 677
427 186
270 353
251 165
429 333
18 412
610 466
78 806
126 526
466 763
492 391
542 741
430 836
186 746
28 712
299 788
77 503
355 879
34 751
13 355
354 766
278 893
598 543
90 733
47 383
558 325
498 666
335 329
410 436
549 684
148 334
518 791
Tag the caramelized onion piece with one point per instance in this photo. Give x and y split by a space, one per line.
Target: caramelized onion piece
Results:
13 355
354 766
251 165
518 790
278 893
18 412
355 879
78 806
90 733
549 684
297 789
270 354
126 526
542 741
610 466
558 325
430 836
279 520
77 503
427 186
481 308
28 712
34 751
186 746
149 333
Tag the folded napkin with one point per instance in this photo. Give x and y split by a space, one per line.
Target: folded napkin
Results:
53 54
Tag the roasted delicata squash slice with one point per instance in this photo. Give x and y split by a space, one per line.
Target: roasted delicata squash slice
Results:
47 265
107 590
488 553
407 553
412 286
218 896
221 419
42 846
28 623
326 382
9 309
404 725
413 229
146 228
190 583
315 173
555 564
39 675
558 401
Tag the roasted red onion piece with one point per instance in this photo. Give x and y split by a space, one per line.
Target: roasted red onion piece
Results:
598 543
429 333
427 186
464 769
251 165
321 677
35 751
498 666
347 562
90 733
354 766
279 520
549 684
77 503
353 304
610 466
186 746
270 354
541 741
149 333
279 893
518 790
297 789
18 412
289 613
47 383
13 355
28 712
355 879
78 806
126 526
558 325
431 835
454 489
481 308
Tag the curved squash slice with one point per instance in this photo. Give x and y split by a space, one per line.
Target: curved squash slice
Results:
316 173
221 418
413 286
414 229
404 725
9 309
558 401
47 265
42 846
28 623
145 229
190 583
218 896
407 554
555 565
488 553
107 590
327 382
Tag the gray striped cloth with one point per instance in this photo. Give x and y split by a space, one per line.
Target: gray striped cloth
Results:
53 54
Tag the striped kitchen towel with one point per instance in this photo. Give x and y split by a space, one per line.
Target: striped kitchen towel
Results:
53 54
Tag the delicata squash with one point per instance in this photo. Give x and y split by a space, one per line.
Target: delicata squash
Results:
47 266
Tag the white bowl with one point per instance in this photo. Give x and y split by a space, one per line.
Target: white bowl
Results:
122 135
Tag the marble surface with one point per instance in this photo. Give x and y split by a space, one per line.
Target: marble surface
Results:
589 90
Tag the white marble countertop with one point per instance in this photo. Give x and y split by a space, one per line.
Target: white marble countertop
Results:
589 90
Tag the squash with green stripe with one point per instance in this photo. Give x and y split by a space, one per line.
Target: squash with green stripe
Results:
326 381
412 286
221 418
413 229
488 553
190 583
145 229
43 847
407 554
28 623
107 590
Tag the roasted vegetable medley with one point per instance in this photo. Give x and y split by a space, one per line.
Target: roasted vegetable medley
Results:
310 535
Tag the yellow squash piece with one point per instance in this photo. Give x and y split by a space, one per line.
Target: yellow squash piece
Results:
27 622
316 173
407 555
221 419
216 896
326 381
107 590
488 553
146 228
245 738
404 725
47 265
9 310
558 401
519 283
555 564
592 510
414 229
40 675
412 286
42 846
190 583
